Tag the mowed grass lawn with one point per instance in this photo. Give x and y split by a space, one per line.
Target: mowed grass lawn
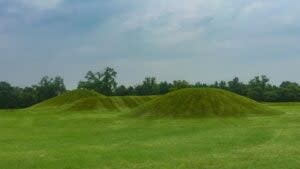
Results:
108 140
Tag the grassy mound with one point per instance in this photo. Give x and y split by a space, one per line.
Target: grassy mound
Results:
68 98
109 103
93 103
86 100
201 103
131 101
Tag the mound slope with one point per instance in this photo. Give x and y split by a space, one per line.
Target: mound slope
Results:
108 103
86 100
201 103
68 98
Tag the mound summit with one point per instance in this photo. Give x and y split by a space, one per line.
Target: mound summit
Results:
87 100
203 102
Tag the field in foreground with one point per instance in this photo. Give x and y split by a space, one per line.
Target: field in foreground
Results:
40 139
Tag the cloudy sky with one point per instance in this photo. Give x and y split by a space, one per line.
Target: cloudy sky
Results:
196 40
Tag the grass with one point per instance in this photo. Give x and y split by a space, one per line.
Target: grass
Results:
204 102
86 100
100 139
68 98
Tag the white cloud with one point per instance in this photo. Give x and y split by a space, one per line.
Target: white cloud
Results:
156 37
41 4
254 7
175 19
171 13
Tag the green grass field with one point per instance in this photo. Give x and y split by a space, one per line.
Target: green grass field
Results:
60 139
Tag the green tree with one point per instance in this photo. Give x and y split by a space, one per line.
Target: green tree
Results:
180 84
223 85
271 94
50 87
200 85
257 87
289 91
164 87
109 83
215 85
102 82
93 82
131 90
149 87
8 97
236 86
121 91
27 97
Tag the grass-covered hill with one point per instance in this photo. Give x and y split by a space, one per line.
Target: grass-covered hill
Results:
182 103
69 98
204 102
109 103
86 100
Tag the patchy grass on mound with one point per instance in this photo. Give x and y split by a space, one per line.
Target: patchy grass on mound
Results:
86 100
109 103
201 103
68 98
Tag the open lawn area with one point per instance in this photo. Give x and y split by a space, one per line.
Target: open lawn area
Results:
41 139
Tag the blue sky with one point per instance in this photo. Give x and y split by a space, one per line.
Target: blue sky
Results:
196 40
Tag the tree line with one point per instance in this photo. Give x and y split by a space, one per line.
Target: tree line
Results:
17 97
259 88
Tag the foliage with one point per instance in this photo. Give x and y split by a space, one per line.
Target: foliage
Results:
50 87
15 97
289 91
7 96
148 87
102 82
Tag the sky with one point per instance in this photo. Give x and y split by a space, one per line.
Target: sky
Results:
195 40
